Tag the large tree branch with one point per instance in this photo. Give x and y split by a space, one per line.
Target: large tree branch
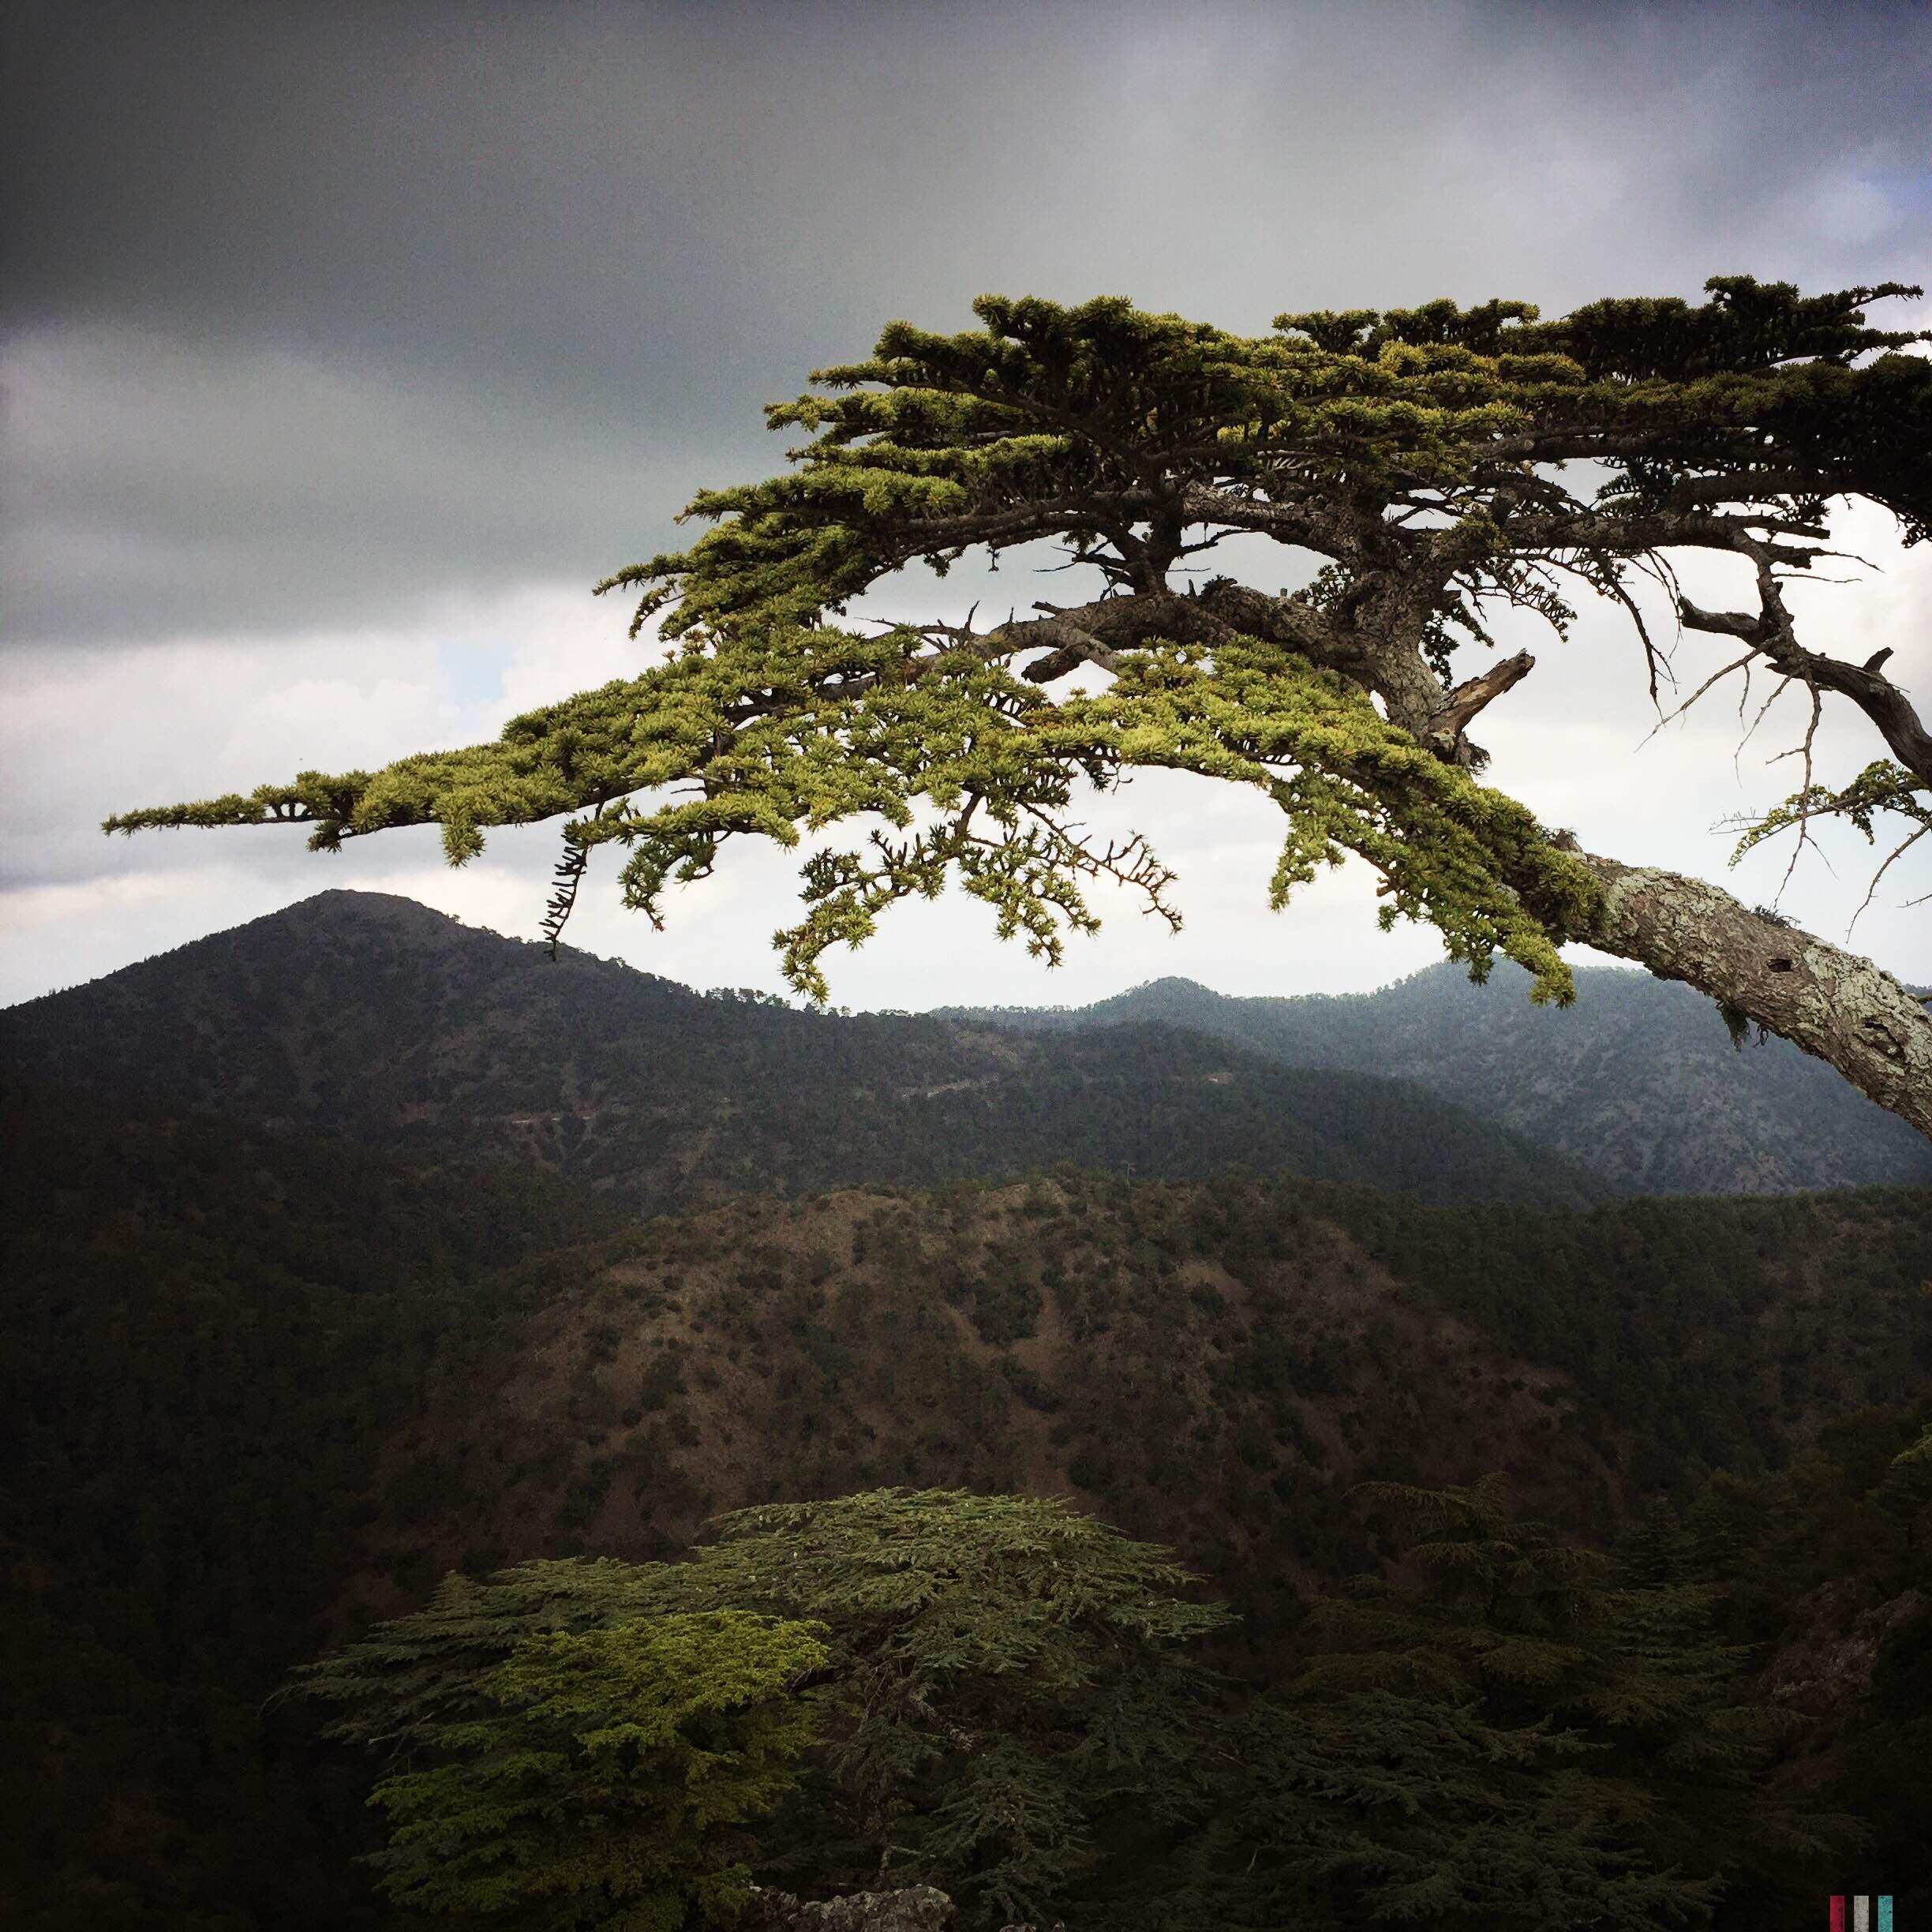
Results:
1834 1004
1330 531
1372 646
1285 620
1070 647
1628 534
1769 630
1739 463
1009 524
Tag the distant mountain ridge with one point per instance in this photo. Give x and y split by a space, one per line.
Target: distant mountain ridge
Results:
369 1015
1638 1080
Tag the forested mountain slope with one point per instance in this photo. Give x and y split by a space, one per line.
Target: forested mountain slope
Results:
368 1014
257 1381
1209 1365
209 1333
1638 1079
270 1374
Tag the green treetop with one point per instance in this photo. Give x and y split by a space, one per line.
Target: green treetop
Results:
1508 1733
599 1780
999 1689
1428 466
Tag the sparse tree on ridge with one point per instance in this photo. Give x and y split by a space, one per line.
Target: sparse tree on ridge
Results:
1439 461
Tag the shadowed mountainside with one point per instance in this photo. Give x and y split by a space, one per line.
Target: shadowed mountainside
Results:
265 1384
273 1372
370 1015
1638 1079
1211 1366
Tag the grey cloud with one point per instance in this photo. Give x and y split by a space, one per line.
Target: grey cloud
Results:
164 487
316 307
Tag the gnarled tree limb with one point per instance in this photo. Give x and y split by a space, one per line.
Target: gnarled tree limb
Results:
1449 724
1836 1005
1882 701
1417 456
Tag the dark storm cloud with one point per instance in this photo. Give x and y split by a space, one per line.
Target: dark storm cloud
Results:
316 309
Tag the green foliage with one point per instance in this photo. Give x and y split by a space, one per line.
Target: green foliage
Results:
1419 452
1020 1674
1001 1677
1509 1733
1882 786
1502 1730
598 1784
872 727
1390 1809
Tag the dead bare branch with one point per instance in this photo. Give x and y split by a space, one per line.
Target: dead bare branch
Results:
1469 698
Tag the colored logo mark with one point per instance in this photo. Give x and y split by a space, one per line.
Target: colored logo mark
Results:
1861 1911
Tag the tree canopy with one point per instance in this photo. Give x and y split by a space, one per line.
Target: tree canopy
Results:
1435 464
992 1695
597 1786
1510 1732
997 1684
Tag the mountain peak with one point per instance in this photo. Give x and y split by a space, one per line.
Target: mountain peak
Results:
342 906
1173 985
1638 1080
368 1014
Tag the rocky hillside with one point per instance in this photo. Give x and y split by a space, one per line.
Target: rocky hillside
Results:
361 1014
1639 1079
1211 1367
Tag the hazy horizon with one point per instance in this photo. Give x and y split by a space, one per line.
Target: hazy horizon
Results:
1506 975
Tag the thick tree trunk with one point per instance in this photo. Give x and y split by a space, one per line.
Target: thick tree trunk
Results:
1830 1002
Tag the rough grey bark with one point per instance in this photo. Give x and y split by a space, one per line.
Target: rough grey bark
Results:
1845 1009
916 1908
1443 731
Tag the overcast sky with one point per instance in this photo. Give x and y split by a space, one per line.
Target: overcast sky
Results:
344 347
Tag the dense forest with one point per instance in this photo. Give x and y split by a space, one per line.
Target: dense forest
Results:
331 1421
271 1387
366 1015
210 1330
1640 1079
